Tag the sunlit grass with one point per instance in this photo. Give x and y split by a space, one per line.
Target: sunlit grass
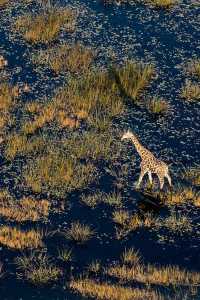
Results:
166 4
93 97
45 26
79 233
65 255
73 58
158 106
131 257
192 174
191 91
177 223
37 268
24 209
15 238
19 144
108 291
133 78
56 173
3 3
151 274
193 67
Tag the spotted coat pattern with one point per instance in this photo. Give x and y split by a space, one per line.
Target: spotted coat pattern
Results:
149 163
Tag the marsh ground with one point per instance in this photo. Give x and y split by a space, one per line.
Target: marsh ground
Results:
68 205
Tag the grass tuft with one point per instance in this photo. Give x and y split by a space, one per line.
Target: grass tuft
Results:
75 58
158 106
45 27
15 238
191 91
79 233
104 290
37 268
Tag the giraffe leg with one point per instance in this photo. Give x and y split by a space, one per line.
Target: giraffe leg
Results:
150 177
169 179
142 173
161 180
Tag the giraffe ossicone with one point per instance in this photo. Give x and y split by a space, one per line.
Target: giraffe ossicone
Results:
149 163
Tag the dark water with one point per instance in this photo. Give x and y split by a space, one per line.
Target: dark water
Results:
167 39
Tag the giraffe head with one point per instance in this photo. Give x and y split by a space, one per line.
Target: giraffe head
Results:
127 135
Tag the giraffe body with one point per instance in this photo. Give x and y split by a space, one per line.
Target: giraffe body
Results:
149 163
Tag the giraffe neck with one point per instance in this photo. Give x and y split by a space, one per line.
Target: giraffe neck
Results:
139 148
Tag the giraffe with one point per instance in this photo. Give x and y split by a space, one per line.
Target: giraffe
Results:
149 163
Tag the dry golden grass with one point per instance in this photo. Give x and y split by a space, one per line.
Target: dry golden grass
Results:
128 222
15 238
191 91
177 223
45 26
3 3
192 174
74 58
23 210
56 173
38 269
166 4
193 67
133 77
131 257
94 267
158 106
104 290
79 233
181 195
94 96
150 274
19 144
8 95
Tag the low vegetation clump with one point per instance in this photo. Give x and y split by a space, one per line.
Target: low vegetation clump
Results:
193 67
73 58
20 144
178 223
3 3
92 200
192 175
45 27
57 174
181 195
112 199
79 233
92 146
93 97
151 274
8 97
158 106
191 91
131 257
133 77
104 290
166 4
94 267
16 238
37 269
24 209
65 255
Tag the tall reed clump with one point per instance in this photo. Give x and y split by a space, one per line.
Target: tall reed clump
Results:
133 78
56 173
73 58
45 26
